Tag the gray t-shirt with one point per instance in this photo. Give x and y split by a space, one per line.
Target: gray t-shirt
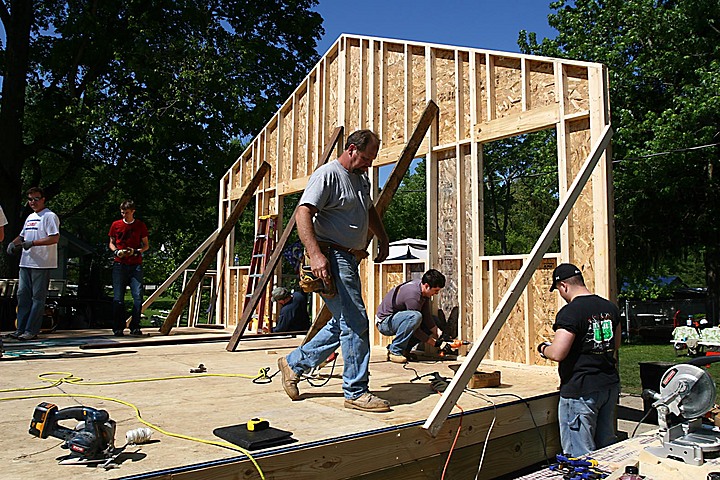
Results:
406 296
343 201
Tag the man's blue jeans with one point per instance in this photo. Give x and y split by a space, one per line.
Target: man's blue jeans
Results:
348 328
588 423
402 325
122 276
32 292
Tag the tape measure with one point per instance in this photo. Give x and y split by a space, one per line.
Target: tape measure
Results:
256 424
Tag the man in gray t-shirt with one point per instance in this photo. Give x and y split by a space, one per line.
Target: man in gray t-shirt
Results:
334 217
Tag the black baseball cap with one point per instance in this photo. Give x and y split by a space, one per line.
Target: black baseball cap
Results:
562 272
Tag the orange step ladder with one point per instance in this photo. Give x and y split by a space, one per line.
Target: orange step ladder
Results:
262 249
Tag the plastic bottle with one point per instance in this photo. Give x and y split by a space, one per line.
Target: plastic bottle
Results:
237 260
631 473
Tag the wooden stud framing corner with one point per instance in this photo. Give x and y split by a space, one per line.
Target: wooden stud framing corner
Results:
460 380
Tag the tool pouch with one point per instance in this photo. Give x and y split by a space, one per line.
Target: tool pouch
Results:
310 283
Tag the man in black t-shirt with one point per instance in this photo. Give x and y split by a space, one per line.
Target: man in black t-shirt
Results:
587 337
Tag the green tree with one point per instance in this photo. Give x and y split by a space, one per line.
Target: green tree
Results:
104 100
520 191
406 217
663 58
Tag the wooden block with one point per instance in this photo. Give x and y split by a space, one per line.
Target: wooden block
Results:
481 379
484 379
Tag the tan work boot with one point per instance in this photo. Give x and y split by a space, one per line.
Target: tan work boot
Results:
367 402
290 379
392 357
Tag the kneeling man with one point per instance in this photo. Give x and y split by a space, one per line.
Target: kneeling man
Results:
405 313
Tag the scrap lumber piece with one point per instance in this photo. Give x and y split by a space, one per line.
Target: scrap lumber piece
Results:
386 195
217 244
275 257
460 380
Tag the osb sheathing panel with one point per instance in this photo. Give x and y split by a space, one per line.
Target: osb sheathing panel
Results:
365 101
394 96
247 170
419 100
271 150
286 145
445 92
542 84
577 89
481 80
354 73
447 254
377 59
544 306
469 296
311 127
331 97
583 245
466 125
235 303
301 110
508 86
510 342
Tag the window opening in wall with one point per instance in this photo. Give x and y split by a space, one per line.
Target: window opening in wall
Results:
520 191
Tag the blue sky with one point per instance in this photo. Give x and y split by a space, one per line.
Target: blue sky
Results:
487 24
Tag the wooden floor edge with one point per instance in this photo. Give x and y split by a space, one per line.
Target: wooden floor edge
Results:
347 456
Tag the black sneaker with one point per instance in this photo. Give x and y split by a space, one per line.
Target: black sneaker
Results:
136 333
118 333
14 335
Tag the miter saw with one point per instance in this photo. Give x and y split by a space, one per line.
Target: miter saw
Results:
92 440
687 393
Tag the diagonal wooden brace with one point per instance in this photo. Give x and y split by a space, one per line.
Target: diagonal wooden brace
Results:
209 257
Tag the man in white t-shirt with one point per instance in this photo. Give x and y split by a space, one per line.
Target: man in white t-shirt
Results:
38 239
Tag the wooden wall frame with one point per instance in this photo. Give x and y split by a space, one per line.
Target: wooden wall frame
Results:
384 85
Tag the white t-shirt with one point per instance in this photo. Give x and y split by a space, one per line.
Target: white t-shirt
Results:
3 219
40 225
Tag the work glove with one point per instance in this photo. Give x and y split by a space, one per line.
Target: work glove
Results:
124 252
11 248
541 348
27 244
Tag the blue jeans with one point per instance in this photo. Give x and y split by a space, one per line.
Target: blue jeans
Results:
348 328
402 325
588 423
122 276
32 292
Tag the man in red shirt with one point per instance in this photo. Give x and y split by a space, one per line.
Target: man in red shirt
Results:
128 240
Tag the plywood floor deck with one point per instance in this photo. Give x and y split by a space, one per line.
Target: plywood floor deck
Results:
197 405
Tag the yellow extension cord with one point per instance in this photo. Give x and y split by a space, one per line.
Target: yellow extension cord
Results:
67 377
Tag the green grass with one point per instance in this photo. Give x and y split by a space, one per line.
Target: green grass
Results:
164 302
632 354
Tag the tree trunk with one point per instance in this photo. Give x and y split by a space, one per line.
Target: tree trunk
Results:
12 109
712 267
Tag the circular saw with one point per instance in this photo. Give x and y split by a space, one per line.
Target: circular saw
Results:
688 393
